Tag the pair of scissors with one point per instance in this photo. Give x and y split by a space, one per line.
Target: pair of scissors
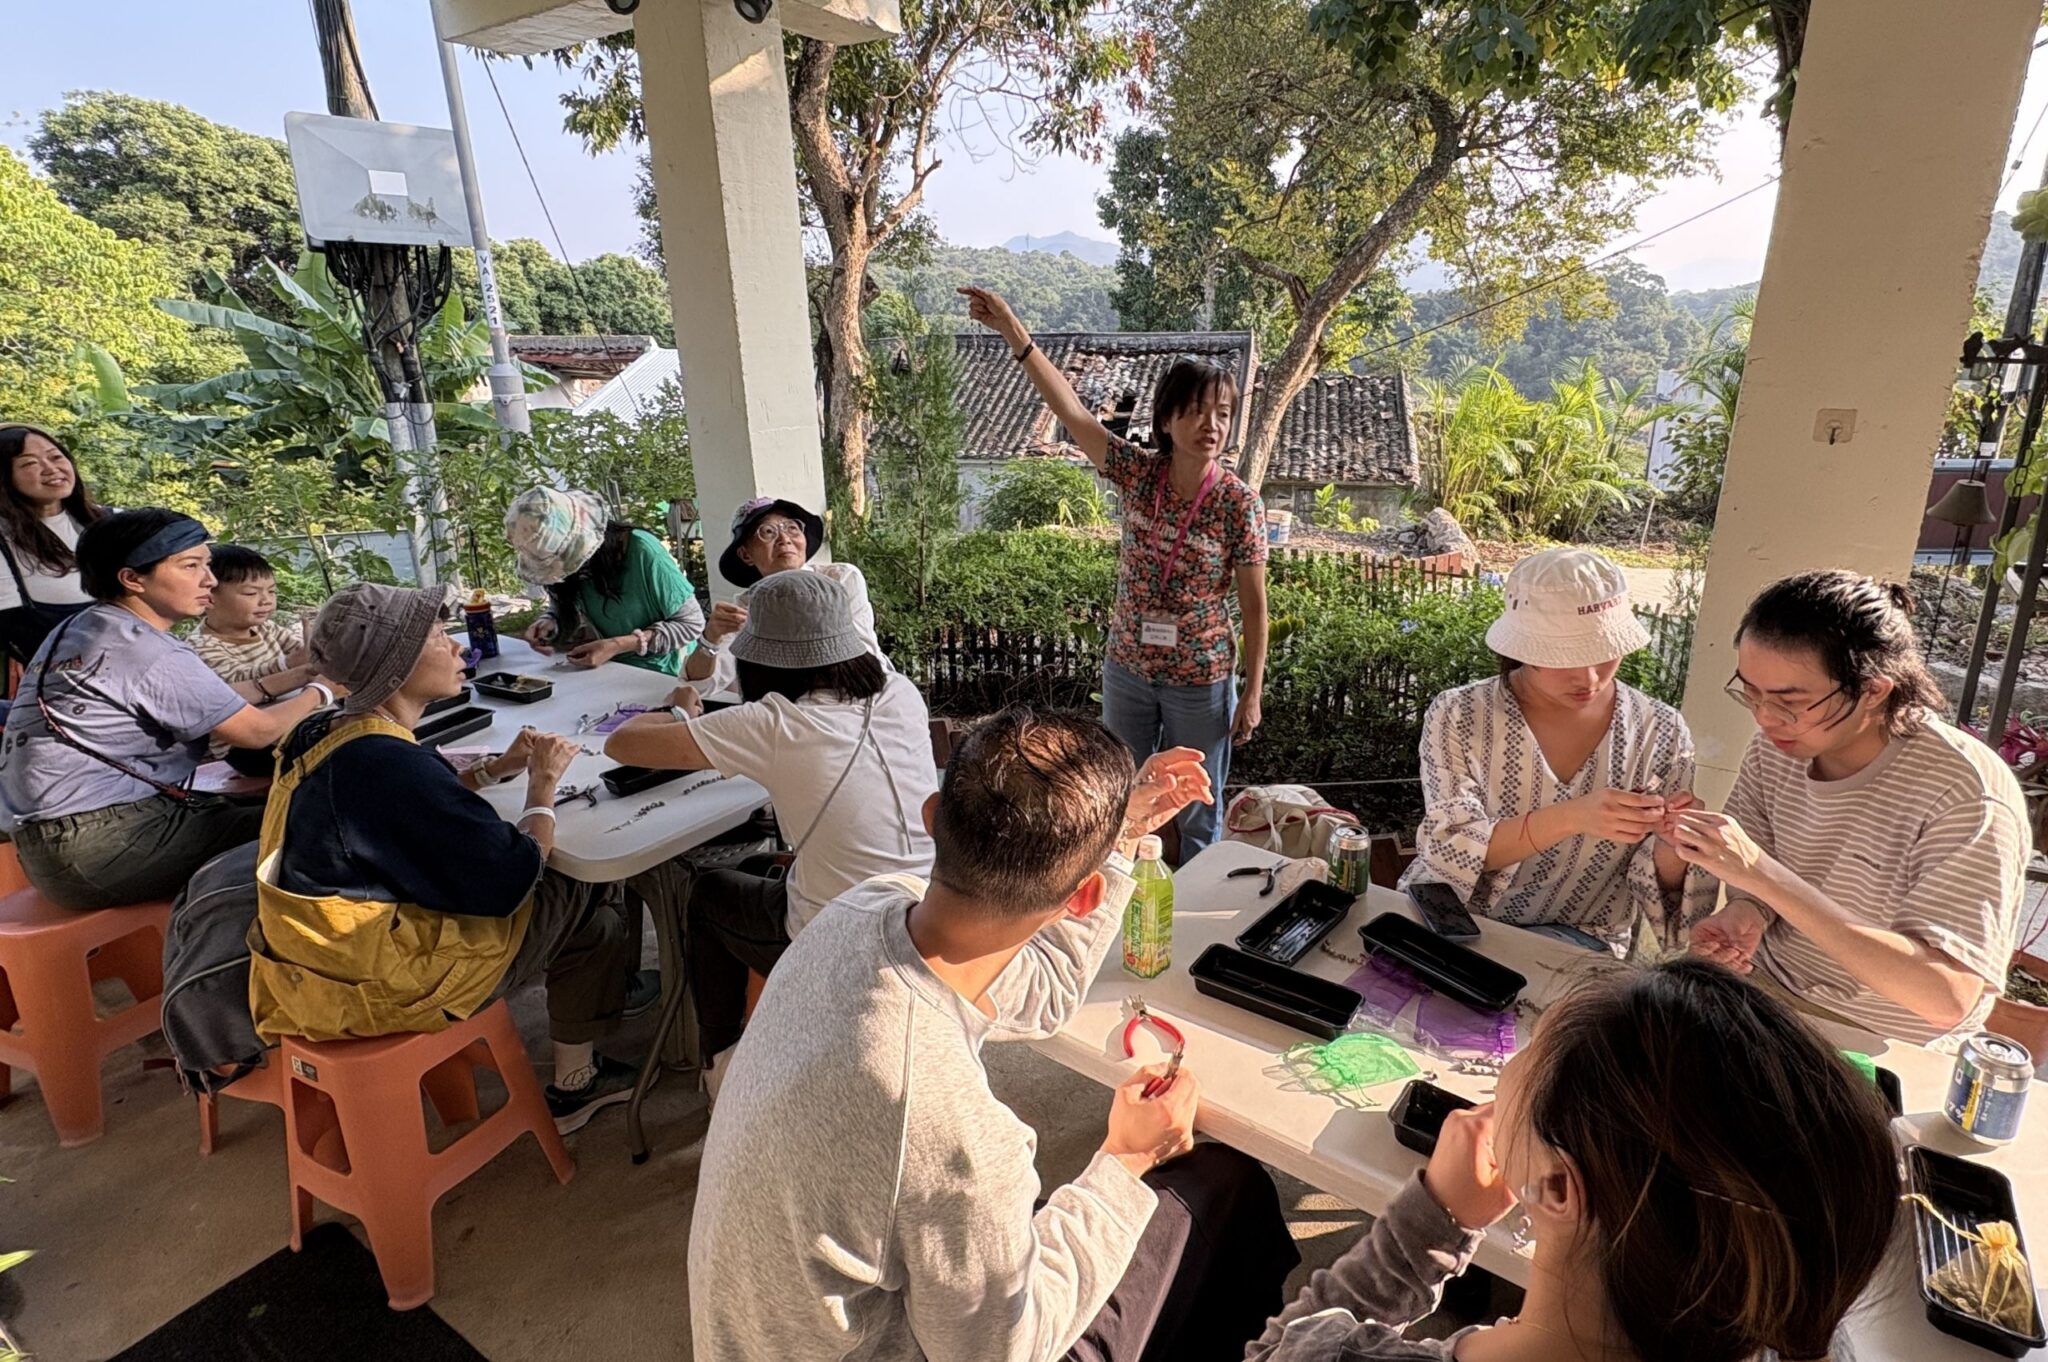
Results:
1140 1015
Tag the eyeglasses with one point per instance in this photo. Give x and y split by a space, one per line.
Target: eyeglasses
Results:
768 531
1775 710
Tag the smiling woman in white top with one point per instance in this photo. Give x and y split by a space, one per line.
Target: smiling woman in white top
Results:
844 749
770 535
44 505
1546 786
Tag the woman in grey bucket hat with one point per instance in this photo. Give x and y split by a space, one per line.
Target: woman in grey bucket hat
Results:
413 856
843 746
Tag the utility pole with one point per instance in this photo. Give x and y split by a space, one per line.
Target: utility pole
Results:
508 387
408 405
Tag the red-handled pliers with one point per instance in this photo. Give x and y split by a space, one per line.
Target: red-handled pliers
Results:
1140 1015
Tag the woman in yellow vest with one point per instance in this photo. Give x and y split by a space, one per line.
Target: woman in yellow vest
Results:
393 898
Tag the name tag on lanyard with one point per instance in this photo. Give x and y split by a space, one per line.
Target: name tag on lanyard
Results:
1155 628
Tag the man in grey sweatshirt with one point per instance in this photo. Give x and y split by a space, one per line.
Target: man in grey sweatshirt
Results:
863 1195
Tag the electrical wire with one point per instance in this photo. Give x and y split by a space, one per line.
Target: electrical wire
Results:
547 213
1565 274
2020 157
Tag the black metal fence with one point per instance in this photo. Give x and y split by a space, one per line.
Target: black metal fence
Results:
1354 739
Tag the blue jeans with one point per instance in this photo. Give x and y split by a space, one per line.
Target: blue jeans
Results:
1153 715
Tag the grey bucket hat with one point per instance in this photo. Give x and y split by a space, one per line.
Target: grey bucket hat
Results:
798 620
368 637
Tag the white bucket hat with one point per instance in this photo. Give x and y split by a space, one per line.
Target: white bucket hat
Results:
1567 608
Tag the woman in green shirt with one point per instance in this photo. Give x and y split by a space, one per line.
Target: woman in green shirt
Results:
613 591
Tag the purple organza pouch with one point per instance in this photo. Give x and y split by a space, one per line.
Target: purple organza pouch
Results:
1440 1025
618 717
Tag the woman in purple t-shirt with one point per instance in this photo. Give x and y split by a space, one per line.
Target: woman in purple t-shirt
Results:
113 718
1192 532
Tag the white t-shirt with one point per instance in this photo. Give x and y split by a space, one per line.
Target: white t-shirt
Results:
725 675
797 750
46 587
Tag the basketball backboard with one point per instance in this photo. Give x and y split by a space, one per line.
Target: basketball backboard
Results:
377 183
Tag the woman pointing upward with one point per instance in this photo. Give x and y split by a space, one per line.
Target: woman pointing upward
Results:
1191 532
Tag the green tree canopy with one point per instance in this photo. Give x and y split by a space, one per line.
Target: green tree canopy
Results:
69 288
1338 138
608 295
1050 292
214 197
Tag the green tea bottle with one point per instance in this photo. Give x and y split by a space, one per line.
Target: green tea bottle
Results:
1148 921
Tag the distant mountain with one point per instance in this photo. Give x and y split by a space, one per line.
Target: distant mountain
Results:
1088 248
1995 274
1050 292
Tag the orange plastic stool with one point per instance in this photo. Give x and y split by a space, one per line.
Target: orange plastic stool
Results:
258 1085
50 958
356 1137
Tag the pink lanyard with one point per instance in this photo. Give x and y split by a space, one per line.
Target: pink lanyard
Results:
1158 505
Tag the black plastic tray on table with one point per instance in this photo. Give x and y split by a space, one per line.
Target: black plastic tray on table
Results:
1455 971
1323 905
520 690
446 703
456 723
1285 995
1969 1194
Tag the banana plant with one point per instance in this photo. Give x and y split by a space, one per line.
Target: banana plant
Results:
306 388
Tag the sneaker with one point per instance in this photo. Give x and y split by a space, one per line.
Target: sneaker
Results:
611 1084
643 991
714 1074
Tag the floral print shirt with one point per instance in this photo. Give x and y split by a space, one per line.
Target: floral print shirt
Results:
1228 532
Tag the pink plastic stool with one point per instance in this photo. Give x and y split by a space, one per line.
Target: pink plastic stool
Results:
356 1136
50 958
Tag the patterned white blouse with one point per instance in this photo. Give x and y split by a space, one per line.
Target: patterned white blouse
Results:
1482 766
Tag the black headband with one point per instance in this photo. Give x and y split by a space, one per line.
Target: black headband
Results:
181 534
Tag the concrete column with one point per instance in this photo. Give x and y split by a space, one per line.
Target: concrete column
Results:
717 109
1898 137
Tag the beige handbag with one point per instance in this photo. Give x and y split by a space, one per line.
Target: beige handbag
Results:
1292 820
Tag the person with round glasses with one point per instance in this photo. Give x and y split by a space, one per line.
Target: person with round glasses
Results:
771 535
1873 853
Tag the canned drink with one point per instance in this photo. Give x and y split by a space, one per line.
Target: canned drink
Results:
1351 859
1987 1094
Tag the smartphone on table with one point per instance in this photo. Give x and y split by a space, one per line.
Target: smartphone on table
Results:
1442 911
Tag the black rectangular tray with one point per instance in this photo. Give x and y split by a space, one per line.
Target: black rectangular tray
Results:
1894 1095
456 723
1969 1194
628 780
1325 905
1418 1114
447 702
520 690
1452 970
1285 995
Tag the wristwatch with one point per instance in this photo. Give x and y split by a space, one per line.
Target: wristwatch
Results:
679 714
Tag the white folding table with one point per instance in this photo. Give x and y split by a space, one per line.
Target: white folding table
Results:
1249 1100
617 836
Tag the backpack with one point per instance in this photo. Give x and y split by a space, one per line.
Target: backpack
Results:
206 1017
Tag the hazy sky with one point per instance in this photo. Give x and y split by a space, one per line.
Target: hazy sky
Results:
247 62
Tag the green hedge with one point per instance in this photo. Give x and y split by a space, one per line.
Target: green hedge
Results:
1357 652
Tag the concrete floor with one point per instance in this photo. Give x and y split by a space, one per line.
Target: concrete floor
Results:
134 1228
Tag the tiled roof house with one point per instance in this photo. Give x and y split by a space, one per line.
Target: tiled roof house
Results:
1348 429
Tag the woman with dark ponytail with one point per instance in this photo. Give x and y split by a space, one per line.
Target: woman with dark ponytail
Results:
1874 854
1704 1178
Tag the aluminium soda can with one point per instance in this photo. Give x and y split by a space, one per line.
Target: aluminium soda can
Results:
1987 1094
1351 859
